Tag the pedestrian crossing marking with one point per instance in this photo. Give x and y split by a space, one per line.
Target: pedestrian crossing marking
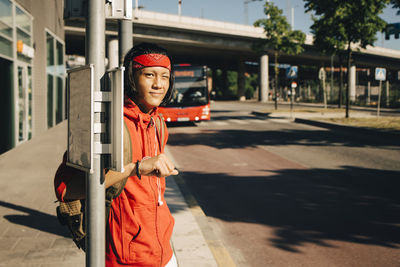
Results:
220 123
239 121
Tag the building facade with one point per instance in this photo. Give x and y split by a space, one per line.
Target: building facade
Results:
32 69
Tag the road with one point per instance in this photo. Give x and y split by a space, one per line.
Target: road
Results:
278 193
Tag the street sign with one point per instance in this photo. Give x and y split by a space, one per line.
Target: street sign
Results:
80 118
321 74
115 84
380 74
293 85
291 72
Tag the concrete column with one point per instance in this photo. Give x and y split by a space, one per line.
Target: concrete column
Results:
113 56
224 82
214 80
125 38
241 81
264 79
352 81
387 93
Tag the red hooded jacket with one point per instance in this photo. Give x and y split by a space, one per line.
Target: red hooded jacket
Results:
140 223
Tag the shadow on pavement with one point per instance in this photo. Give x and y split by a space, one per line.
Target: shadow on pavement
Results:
351 204
35 219
248 138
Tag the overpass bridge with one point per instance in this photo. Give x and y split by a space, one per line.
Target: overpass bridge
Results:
218 44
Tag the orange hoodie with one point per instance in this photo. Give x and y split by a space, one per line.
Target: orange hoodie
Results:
140 223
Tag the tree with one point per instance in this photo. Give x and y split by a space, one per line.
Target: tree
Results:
355 23
328 45
280 38
396 4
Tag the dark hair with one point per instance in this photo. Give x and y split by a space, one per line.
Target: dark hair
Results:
130 89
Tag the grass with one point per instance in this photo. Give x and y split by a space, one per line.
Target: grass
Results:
385 123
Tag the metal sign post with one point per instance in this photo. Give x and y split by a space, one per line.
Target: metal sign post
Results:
95 142
293 86
380 75
322 76
95 190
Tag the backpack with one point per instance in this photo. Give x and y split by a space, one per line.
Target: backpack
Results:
72 213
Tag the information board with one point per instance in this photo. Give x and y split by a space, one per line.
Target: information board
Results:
80 118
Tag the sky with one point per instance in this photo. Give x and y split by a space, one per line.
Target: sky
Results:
234 11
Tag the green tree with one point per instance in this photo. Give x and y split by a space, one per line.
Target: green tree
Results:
354 23
280 38
327 44
396 4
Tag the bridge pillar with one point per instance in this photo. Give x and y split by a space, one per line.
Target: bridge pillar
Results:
264 79
113 56
125 38
352 81
241 81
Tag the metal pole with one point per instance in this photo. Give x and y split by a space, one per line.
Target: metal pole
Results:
387 93
264 79
378 108
368 88
324 92
332 70
125 38
180 8
95 191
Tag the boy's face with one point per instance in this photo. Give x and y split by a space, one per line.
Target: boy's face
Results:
152 85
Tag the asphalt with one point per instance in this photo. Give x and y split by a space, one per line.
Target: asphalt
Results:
30 234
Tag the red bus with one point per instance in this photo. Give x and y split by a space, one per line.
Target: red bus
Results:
191 98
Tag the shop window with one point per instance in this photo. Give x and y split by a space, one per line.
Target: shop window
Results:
55 80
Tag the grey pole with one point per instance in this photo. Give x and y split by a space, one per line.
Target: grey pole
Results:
125 38
95 191
264 79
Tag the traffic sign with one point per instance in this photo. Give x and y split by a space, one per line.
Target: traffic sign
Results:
293 84
380 74
321 74
291 72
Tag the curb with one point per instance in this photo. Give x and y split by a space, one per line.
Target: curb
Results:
190 245
335 126
348 128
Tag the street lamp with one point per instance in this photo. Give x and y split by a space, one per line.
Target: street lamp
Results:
246 10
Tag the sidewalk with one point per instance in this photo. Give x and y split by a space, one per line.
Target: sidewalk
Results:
30 234
317 119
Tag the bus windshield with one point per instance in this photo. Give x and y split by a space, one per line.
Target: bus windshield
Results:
190 86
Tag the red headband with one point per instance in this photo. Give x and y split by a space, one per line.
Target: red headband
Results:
151 60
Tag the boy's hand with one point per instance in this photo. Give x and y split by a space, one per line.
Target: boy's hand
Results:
160 166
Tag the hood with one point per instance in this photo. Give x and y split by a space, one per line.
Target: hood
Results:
132 112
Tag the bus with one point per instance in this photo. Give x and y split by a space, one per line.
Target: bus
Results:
191 97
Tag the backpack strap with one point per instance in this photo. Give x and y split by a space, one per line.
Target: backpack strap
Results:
70 213
160 127
116 189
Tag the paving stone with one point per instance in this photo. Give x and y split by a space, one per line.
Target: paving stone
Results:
64 243
19 231
44 255
33 243
8 243
11 258
74 255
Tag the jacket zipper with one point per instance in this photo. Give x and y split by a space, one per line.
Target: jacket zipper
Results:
154 194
